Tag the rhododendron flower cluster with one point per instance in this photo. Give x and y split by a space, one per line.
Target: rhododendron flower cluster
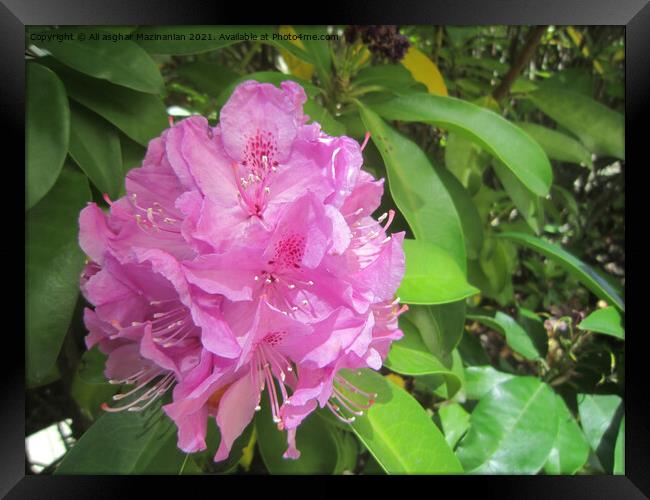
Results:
243 260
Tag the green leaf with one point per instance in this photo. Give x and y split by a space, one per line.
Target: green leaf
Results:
558 146
441 327
95 147
574 266
122 62
527 202
516 337
398 432
388 77
182 40
53 263
466 161
601 130
480 380
318 51
140 116
600 416
432 276
92 365
314 439
470 221
207 77
126 443
570 450
619 450
455 422
409 356
328 123
47 126
471 350
347 450
417 189
607 320
512 429
504 140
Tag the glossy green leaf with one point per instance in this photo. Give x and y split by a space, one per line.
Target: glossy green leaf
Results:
394 78
570 450
600 416
512 429
607 320
526 201
409 356
452 388
455 422
601 130
432 276
122 62
480 380
619 450
470 220
504 140
181 40
140 116
516 337
440 326
466 161
574 266
398 432
417 189
347 451
53 263
558 146
207 77
314 439
95 147
47 126
127 443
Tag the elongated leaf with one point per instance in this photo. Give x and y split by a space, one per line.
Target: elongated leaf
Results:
328 123
432 276
440 326
409 356
180 40
297 66
600 129
607 321
516 337
504 140
619 450
393 78
526 201
95 147
470 221
417 190
480 380
558 146
347 451
455 422
53 263
585 274
207 77
600 415
127 443
512 429
47 126
122 62
399 433
466 160
140 116
570 450
314 439
318 51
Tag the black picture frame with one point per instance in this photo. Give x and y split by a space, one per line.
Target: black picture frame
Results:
633 14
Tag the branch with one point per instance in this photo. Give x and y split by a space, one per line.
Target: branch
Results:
520 63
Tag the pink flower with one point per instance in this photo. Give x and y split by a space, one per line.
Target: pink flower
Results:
244 258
